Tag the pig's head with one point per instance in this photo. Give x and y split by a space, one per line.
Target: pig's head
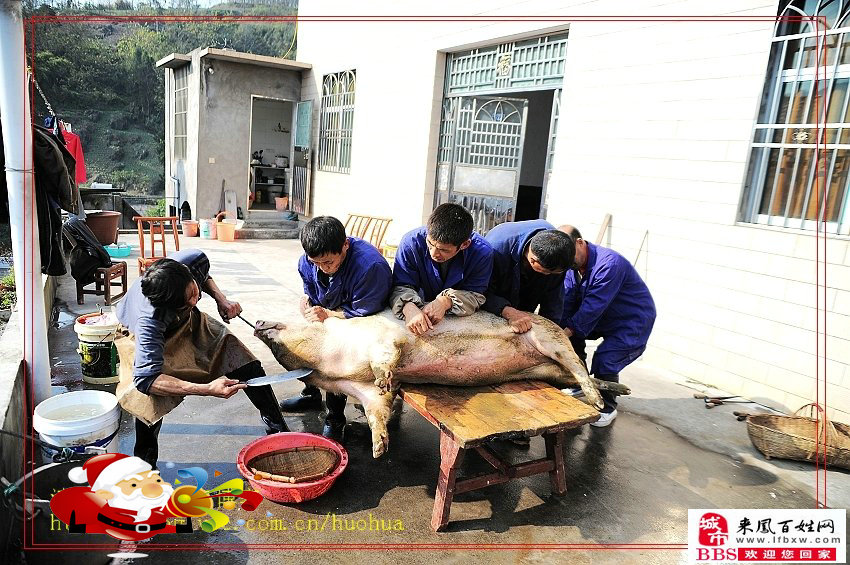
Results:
289 343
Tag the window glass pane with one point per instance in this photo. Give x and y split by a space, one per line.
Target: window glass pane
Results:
801 97
761 136
180 124
836 100
770 85
791 22
784 177
784 102
792 55
845 49
837 186
801 183
769 176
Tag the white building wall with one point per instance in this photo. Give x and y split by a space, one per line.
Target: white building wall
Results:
656 120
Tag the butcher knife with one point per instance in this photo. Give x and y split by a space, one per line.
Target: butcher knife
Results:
282 377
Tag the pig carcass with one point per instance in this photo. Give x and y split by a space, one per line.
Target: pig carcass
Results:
369 357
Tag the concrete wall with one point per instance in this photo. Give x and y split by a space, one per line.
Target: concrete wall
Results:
656 121
224 134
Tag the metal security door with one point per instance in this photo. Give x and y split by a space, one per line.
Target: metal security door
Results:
300 196
486 139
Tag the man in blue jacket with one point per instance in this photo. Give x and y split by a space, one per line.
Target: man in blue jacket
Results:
604 297
529 262
443 267
344 277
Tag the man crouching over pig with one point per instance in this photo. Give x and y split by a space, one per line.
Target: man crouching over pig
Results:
441 268
169 349
344 277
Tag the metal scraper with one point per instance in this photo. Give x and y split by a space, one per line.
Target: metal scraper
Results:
282 377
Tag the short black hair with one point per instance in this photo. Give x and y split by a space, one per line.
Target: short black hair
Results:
450 223
164 283
554 249
321 235
574 233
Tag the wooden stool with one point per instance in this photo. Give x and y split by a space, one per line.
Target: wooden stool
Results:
468 417
103 281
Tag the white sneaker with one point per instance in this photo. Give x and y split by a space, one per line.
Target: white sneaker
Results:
605 419
570 391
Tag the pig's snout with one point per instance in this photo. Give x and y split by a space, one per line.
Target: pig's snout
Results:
262 326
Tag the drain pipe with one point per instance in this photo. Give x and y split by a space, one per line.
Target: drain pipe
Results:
17 144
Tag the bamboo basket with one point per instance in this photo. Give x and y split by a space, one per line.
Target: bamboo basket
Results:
797 437
295 465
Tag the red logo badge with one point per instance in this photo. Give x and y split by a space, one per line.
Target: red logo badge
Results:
713 529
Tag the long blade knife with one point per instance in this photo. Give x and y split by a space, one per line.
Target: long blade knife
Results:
283 377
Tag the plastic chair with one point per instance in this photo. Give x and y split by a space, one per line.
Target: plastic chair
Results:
156 234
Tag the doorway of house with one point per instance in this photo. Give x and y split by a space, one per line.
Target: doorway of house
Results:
270 150
498 128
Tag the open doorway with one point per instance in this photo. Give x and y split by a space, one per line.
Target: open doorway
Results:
271 148
533 168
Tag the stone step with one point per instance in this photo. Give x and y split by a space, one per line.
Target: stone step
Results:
266 233
280 224
266 215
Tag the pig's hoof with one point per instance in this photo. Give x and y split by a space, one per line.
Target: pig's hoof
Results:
380 447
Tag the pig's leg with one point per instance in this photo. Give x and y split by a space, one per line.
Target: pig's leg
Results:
377 406
383 358
552 342
555 375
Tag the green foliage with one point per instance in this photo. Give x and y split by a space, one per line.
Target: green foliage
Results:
158 211
92 71
7 297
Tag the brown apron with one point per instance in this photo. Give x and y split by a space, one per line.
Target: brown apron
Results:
199 350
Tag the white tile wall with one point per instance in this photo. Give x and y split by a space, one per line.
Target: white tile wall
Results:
655 129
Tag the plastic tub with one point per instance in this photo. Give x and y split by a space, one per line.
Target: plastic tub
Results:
119 249
227 227
98 356
207 228
190 228
281 203
286 492
78 419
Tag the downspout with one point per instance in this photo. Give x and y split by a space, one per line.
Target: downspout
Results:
176 197
17 144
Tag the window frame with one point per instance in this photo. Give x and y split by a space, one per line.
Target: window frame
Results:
813 160
181 93
336 121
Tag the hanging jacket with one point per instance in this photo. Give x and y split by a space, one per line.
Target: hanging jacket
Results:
87 254
55 188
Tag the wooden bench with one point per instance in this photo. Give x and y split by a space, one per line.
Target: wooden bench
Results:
469 417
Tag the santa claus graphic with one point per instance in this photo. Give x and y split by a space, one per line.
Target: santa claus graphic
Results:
126 499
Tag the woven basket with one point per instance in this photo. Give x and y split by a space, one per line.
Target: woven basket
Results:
295 465
797 437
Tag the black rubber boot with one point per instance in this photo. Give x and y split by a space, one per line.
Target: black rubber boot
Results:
335 420
147 442
309 399
262 397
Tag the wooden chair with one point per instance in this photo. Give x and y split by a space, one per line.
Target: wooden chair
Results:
148 256
369 228
104 279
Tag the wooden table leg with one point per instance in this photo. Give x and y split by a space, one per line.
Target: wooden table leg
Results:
555 443
451 456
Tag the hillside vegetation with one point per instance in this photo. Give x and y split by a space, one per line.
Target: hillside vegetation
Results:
101 78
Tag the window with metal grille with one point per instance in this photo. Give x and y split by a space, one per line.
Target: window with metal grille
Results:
181 102
337 119
797 175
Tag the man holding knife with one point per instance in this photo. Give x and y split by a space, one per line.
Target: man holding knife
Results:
169 349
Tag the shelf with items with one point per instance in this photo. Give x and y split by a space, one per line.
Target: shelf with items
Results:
269 182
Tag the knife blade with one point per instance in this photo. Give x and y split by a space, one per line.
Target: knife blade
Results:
282 377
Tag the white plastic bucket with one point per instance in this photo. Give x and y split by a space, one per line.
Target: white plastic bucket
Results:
78 419
98 356
207 228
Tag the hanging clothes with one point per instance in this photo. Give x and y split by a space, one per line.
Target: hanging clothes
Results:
55 188
75 147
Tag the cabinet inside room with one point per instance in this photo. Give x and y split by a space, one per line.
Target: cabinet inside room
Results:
271 144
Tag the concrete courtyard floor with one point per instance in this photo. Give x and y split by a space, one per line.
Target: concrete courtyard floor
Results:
629 485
